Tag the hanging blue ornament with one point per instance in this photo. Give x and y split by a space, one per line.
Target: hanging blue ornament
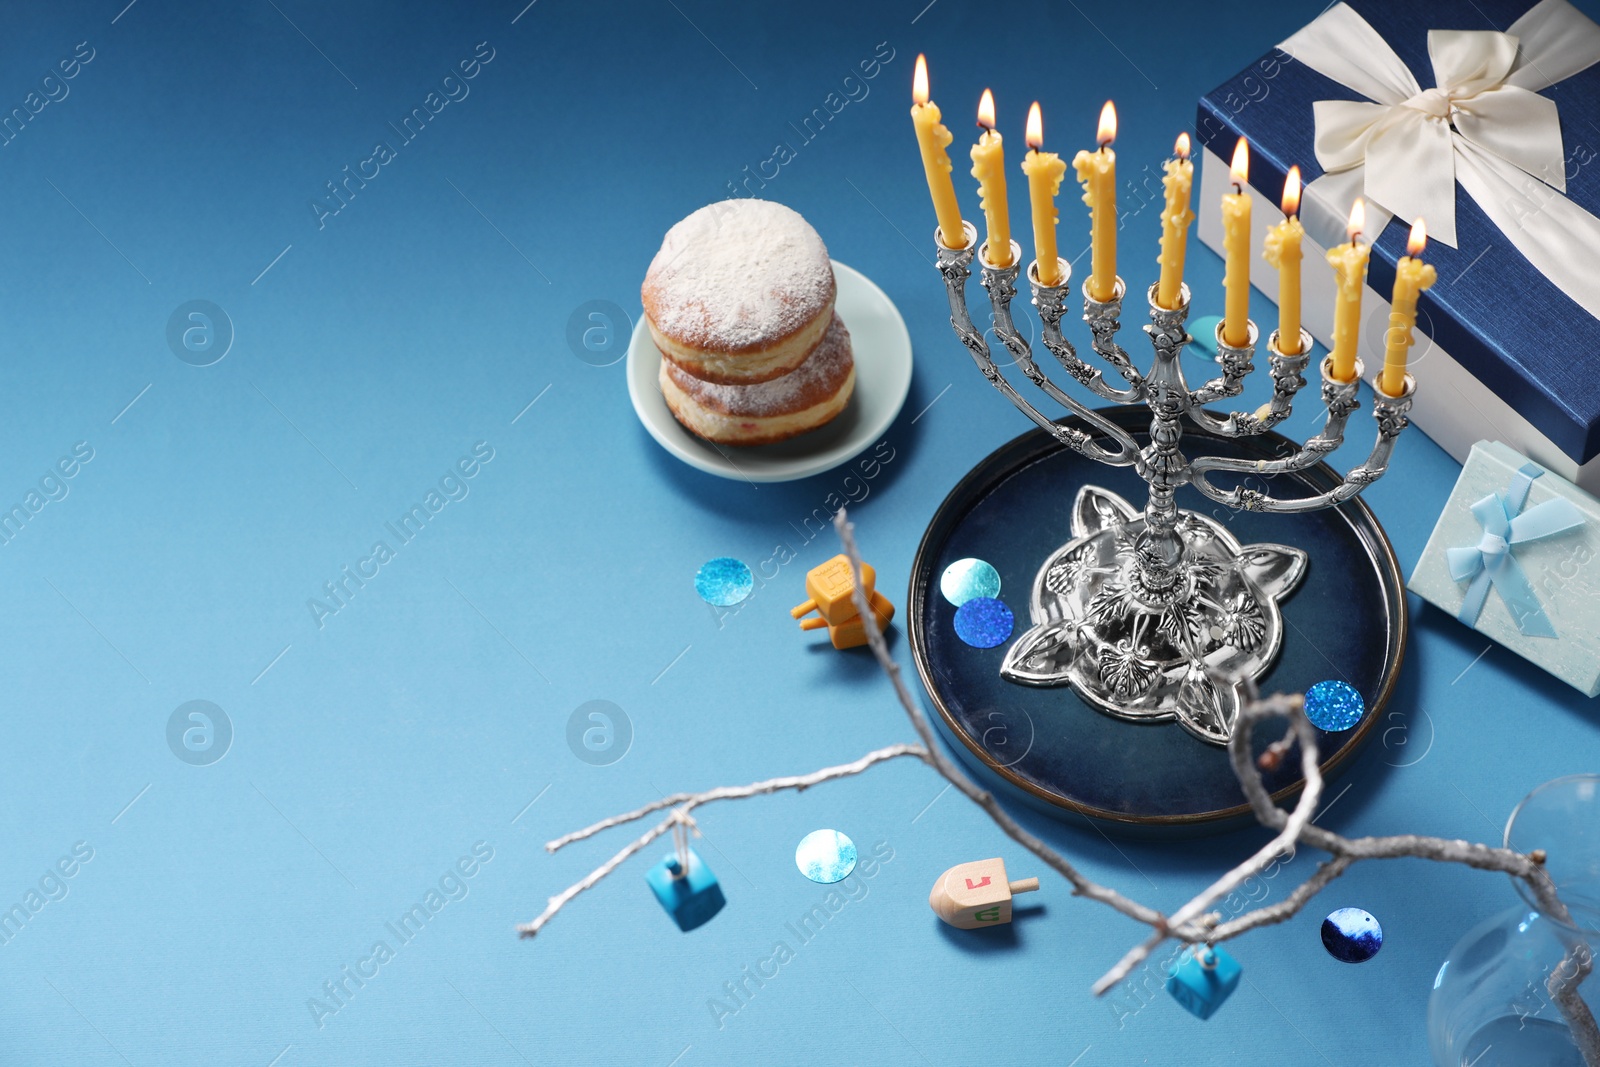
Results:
1202 978
689 894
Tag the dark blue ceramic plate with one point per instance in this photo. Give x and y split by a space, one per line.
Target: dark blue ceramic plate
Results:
1347 620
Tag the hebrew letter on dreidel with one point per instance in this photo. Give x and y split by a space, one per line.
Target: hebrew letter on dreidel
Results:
973 895
828 587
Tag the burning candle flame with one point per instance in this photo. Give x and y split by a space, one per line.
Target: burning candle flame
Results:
1108 124
1358 218
1035 135
1419 238
1291 193
919 81
1240 169
1181 147
986 110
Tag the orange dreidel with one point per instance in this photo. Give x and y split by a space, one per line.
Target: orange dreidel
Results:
970 896
852 632
828 588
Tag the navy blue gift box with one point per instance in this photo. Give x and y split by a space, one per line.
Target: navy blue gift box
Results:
1511 356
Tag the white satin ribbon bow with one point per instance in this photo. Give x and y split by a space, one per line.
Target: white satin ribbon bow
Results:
1483 125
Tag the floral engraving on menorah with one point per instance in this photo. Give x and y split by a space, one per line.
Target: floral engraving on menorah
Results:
1160 614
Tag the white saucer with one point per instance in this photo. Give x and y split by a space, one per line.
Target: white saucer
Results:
883 376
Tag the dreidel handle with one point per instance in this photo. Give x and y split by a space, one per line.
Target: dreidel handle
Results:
805 609
815 623
969 896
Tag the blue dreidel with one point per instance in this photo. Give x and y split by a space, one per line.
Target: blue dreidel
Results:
1203 978
690 896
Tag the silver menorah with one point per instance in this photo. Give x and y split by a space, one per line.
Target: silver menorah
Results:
1160 614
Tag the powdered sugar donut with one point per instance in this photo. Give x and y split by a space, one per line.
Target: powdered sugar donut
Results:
765 412
740 292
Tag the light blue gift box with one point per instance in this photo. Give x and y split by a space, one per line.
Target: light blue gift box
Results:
1514 556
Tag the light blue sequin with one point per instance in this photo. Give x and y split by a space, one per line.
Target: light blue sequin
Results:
984 622
723 582
1204 332
1334 706
968 578
825 856
1352 935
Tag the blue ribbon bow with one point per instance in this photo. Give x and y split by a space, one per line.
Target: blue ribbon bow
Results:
1490 562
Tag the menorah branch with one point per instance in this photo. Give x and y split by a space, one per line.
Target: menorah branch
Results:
1051 301
1237 363
955 265
1390 415
1288 378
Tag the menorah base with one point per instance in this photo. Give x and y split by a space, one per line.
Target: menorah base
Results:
1187 652
1055 746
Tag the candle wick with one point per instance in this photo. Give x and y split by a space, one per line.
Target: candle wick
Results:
1236 190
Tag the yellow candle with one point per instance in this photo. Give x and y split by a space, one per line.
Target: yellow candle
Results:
1044 171
1175 220
1236 248
1098 173
933 138
989 167
1283 252
1411 276
1349 262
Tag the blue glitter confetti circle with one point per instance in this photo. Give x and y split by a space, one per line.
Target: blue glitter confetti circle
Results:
1204 332
1334 706
723 582
967 579
825 856
1352 935
984 622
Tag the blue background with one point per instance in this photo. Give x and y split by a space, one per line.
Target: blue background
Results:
426 715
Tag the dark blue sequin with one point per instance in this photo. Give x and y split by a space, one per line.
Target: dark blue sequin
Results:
984 622
1334 706
1352 935
723 582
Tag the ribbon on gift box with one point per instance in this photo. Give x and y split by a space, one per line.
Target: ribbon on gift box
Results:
1484 125
1491 561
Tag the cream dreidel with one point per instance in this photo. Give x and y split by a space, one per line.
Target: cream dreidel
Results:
973 895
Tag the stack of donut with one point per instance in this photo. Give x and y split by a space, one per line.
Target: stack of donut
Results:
740 303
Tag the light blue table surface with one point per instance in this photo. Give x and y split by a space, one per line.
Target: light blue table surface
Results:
427 717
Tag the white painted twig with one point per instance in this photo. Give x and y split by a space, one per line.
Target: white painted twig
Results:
686 802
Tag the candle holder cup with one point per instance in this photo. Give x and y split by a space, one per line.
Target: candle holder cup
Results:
1160 614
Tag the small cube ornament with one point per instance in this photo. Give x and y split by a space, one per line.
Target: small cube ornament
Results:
828 587
690 896
1203 977
970 896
